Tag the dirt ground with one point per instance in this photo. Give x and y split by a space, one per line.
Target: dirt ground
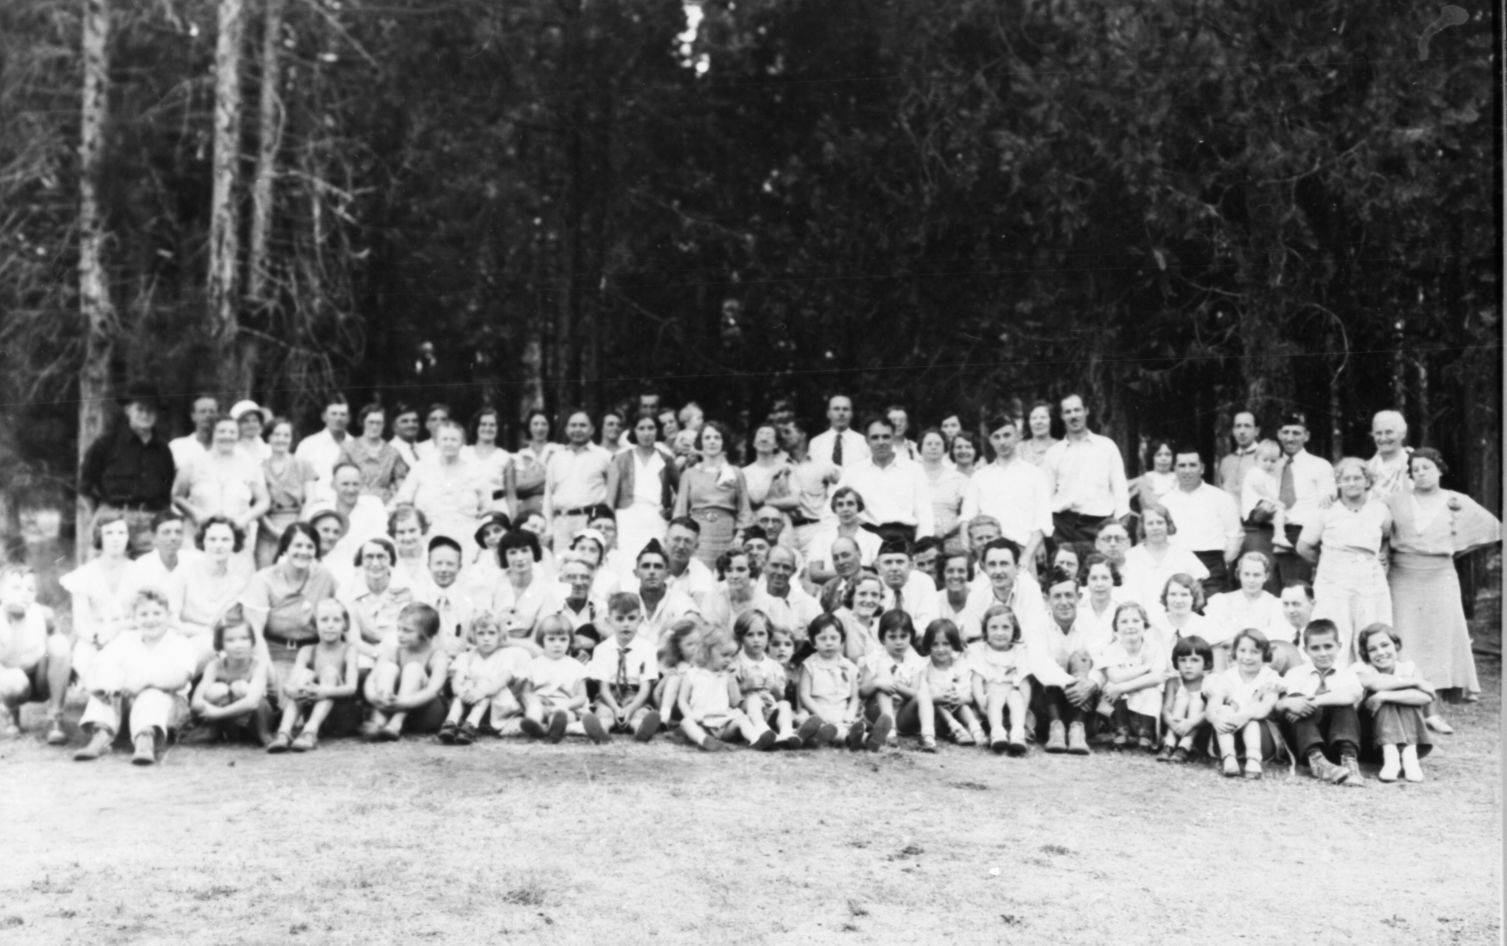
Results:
419 842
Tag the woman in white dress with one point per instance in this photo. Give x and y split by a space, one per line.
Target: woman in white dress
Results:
768 474
224 482
1157 558
641 487
100 595
446 489
490 460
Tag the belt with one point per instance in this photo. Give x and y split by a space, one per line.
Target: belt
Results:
803 521
1069 514
710 514
283 642
578 511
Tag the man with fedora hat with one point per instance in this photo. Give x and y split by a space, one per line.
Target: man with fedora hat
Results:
1305 483
130 469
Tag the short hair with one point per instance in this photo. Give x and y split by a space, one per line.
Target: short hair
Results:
1185 580
725 560
1362 640
981 520
1130 606
149 593
367 410
711 643
280 421
994 611
331 399
238 535
1057 548
755 532
623 602
480 413
405 511
946 557
1391 415
642 416
1183 447
553 624
436 406
965 436
295 529
880 419
1058 576
1099 558
1257 557
895 545
1255 637
746 621
485 618
518 538
932 432
1193 646
401 408
1055 427
943 628
443 542
96 530
380 540
1431 455
821 623
165 516
234 617
1160 510
685 522
714 426
1318 627
1001 543
842 492
925 544
1303 586
672 645
896 620
1345 463
423 617
528 419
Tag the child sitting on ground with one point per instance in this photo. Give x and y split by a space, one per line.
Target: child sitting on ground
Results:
404 686
1318 702
675 652
761 679
890 682
142 674
999 673
828 690
1240 699
707 694
232 694
322 681
1398 700
1183 704
949 683
624 668
782 647
1131 670
554 699
479 678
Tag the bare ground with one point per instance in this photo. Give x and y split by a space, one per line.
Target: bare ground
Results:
512 842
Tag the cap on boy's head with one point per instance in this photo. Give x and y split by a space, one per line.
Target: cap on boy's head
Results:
894 546
1295 419
623 602
1318 628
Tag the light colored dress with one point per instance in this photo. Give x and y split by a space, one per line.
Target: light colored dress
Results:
1350 583
492 469
831 686
382 467
288 486
226 486
708 698
528 478
945 488
718 501
449 496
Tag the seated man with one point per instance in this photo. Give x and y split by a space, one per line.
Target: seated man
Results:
36 662
904 588
1318 704
1061 664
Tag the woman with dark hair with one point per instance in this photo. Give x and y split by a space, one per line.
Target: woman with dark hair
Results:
204 588
944 486
847 503
1045 427
279 602
490 460
769 474
715 494
1156 477
963 451
641 485
381 467
523 597
375 597
1431 527
101 597
290 481
524 480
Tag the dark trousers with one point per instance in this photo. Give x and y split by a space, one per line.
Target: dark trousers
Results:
1082 531
1292 567
1218 581
1051 704
1335 728
894 530
1258 538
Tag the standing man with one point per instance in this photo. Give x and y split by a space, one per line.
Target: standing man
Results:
840 444
1012 491
575 480
130 471
1234 465
1087 477
1207 518
322 450
192 447
896 502
405 433
1303 483
812 480
612 432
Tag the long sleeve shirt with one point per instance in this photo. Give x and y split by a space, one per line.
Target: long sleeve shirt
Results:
122 470
1088 477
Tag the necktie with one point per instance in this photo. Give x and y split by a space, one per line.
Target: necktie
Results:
622 670
899 600
1323 683
1288 493
442 605
837 449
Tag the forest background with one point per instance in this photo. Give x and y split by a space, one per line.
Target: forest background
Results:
1181 208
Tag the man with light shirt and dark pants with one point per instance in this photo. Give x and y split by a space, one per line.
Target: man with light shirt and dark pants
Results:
1087 477
812 479
574 481
1304 482
841 444
896 503
1208 521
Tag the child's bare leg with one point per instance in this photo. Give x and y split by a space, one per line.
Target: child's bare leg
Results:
1015 704
382 684
289 719
995 709
695 733
479 712
1226 742
410 681
955 729
754 730
969 718
457 710
669 693
237 689
1221 657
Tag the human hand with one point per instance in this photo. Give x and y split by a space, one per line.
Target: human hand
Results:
1374 703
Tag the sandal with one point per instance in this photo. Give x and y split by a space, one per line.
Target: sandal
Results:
465 735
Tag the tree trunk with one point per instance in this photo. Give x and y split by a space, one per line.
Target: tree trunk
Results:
224 224
94 286
269 139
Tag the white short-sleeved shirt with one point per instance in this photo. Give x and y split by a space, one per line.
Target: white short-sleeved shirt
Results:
1017 494
1208 519
128 658
997 666
642 663
554 679
907 671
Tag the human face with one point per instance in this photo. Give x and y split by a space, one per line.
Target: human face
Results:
901 420
765 441
1252 577
1154 524
488 638
589 548
1382 651
897 642
448 442
577 575
651 571
227 434
739 574
608 528
1179 599
926 562
491 534
409 635
1352 482
846 508
1040 421
371 428
1387 434
280 439
114 539
1001 567
782 647
538 427
407 535
1244 429
1074 414
1322 650
711 443
770 520
827 642
19 592
963 452
933 447
1063 600
151 619
1191 667
1067 558
648 402
347 485
168 538
625 624
955 573
1190 471
681 543
237 642
203 414
556 643
141 418
612 428
1130 628
520 560
778 571
377 564
894 568
326 527
1100 581
1296 607
669 424
756 640
1425 474
329 621
578 428
942 653
336 418
1248 655
1162 460
881 442
982 534
644 432
1268 460
444 565
1113 540
845 558
249 426
868 598
1004 440
433 420
219 542
534 523
720 657
1292 438
999 633
950 426
840 413
406 426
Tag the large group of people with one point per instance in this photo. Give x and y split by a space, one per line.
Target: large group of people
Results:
856 586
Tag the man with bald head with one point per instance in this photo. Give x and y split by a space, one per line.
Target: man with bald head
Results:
1389 467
